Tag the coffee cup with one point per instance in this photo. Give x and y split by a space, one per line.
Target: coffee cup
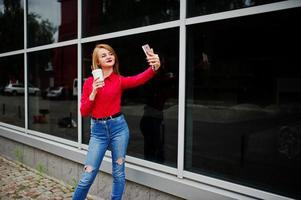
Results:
97 73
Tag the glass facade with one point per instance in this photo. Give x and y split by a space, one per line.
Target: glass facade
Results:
152 109
108 16
243 103
12 25
241 83
12 90
196 7
51 21
53 73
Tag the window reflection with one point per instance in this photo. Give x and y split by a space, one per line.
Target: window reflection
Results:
243 101
53 110
109 15
12 90
12 25
151 110
196 7
51 21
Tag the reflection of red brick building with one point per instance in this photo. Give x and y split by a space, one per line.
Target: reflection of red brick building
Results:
68 27
65 58
92 12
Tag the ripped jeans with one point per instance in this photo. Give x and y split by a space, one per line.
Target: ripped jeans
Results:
110 134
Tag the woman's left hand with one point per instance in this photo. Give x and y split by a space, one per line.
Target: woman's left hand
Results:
153 59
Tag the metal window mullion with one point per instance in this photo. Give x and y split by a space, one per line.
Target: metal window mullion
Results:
231 187
181 111
12 127
11 53
53 45
25 68
244 12
52 138
132 31
79 71
150 164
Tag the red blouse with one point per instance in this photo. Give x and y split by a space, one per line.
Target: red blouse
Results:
108 98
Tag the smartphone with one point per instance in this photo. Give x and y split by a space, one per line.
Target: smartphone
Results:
146 48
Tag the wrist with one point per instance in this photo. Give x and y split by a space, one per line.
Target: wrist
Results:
154 68
92 95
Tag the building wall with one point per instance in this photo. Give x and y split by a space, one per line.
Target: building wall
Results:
70 172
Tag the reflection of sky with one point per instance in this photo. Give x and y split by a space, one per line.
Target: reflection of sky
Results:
47 9
2 5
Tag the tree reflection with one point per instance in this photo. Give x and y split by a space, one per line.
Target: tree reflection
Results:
12 27
41 31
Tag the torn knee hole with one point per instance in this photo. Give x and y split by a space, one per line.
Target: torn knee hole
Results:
88 168
120 161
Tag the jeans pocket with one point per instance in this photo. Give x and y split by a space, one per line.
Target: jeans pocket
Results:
119 119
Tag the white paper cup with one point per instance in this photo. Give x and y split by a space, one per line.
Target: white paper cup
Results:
97 73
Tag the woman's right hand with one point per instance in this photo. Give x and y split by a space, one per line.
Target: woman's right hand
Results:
97 83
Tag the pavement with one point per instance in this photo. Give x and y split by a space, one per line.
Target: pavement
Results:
18 181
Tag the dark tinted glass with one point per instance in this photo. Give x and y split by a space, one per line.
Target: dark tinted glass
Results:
51 21
111 15
196 7
11 25
150 110
12 90
243 119
52 103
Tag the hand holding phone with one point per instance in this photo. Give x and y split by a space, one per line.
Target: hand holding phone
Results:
146 49
152 58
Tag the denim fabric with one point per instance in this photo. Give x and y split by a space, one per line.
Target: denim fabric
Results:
111 134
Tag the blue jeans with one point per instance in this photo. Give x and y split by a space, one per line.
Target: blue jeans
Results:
110 134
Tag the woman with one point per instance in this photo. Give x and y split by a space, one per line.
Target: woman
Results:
101 100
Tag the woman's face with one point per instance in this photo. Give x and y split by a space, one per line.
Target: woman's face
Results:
105 58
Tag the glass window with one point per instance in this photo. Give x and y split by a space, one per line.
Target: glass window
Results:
52 102
51 21
110 15
196 7
12 90
243 103
12 25
152 109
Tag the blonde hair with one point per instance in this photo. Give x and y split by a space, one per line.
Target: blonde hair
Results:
95 57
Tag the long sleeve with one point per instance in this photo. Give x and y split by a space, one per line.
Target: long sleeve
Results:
137 80
86 104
